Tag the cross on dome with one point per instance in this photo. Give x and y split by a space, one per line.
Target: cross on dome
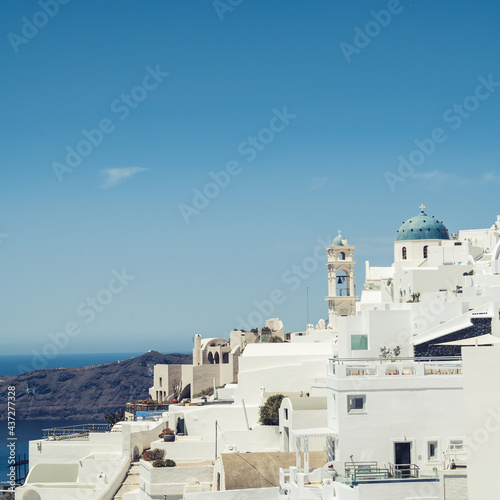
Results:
340 232
422 207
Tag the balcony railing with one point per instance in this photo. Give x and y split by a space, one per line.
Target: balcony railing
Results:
313 483
371 367
455 457
74 431
399 471
364 471
135 407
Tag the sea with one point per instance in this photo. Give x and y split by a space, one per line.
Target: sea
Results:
27 430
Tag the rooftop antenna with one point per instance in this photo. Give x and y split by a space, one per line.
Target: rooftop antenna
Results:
307 306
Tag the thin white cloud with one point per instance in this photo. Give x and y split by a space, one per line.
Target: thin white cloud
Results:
115 176
438 178
317 183
490 177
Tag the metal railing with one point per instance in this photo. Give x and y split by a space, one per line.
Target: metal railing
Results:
451 365
370 471
74 431
365 471
390 360
454 457
135 407
404 471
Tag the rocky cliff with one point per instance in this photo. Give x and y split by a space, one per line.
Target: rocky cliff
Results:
84 393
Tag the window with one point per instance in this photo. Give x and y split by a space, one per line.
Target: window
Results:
286 413
160 381
426 251
404 253
432 451
356 404
359 342
456 445
341 256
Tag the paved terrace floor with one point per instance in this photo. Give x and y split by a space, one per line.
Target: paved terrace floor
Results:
131 481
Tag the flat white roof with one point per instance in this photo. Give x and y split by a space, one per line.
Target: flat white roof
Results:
323 349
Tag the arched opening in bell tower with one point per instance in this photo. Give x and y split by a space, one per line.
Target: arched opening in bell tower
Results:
342 284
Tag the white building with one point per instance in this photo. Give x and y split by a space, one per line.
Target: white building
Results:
379 391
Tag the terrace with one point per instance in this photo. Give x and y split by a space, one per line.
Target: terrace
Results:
298 482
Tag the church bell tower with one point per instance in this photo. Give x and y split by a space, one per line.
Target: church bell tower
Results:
341 293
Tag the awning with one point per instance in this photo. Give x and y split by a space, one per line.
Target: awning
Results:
310 433
302 437
487 339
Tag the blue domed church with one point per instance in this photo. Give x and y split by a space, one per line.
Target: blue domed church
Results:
417 236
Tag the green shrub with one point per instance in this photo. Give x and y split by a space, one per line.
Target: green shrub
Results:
269 411
274 339
164 463
205 392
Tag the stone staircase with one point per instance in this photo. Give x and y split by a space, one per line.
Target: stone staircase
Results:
131 481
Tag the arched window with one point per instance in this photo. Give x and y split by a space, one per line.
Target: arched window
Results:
210 358
404 253
216 358
426 251
341 256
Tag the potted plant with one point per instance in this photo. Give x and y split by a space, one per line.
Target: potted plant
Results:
167 435
151 455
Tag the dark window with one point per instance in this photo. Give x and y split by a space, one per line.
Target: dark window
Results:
404 253
356 404
426 251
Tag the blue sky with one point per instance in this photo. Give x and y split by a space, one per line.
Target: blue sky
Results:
308 116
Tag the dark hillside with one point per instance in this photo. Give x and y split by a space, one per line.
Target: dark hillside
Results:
86 392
